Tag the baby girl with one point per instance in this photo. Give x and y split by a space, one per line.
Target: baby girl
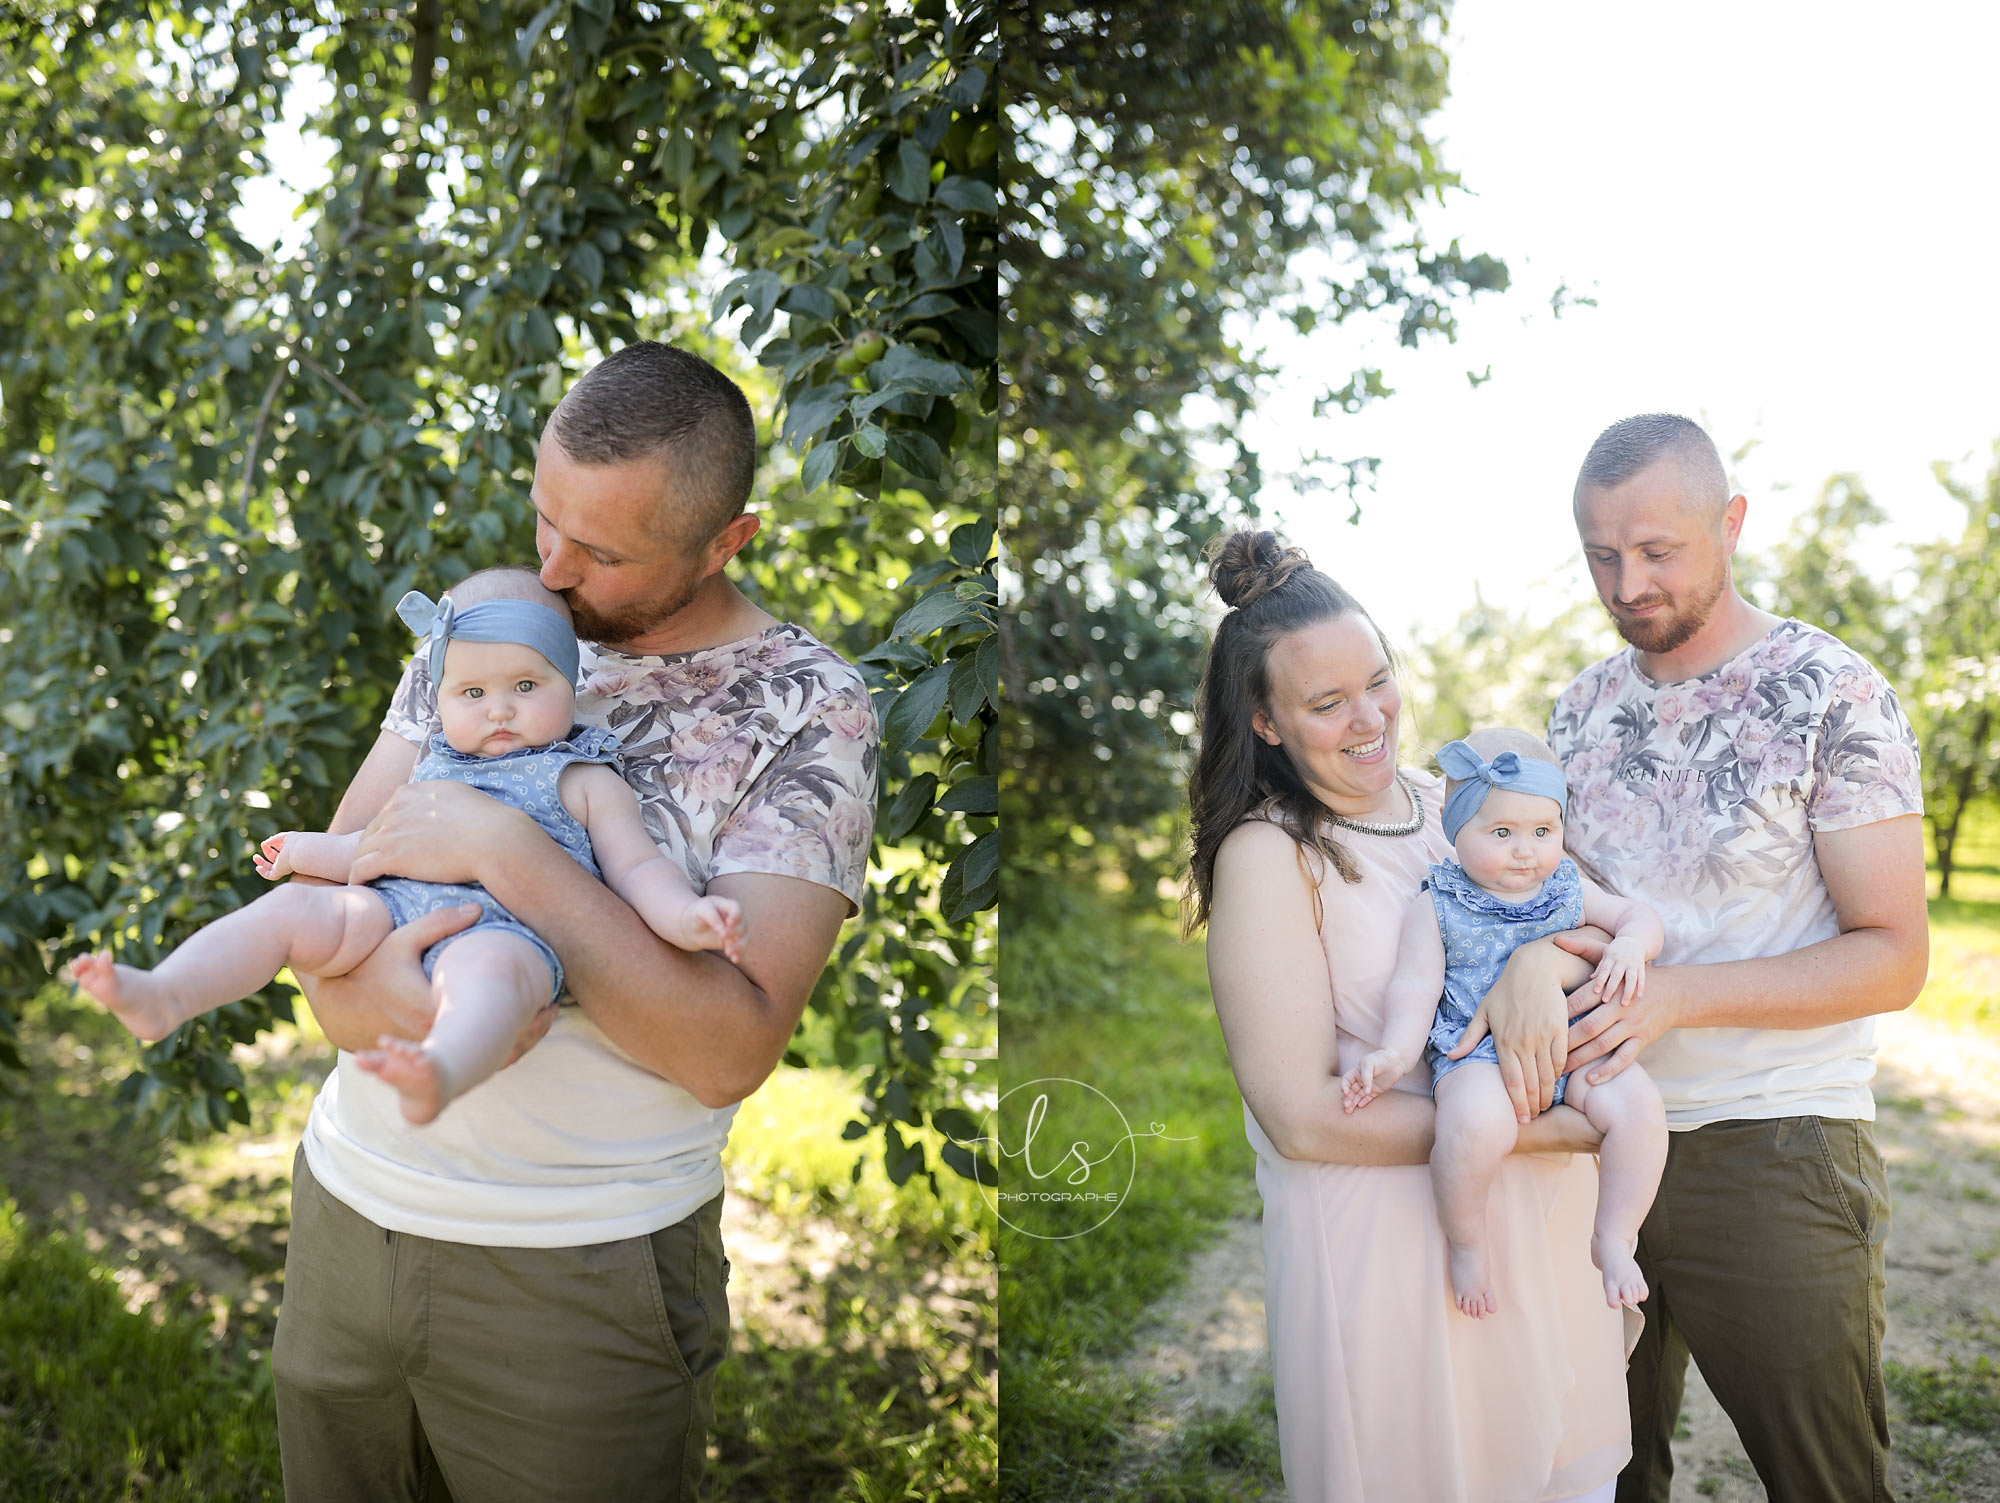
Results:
504 658
1512 884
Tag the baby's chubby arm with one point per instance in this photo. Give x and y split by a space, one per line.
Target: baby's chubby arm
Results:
306 853
635 869
1408 1008
1636 937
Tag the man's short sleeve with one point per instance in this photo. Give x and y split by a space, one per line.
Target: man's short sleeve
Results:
413 707
812 812
1866 766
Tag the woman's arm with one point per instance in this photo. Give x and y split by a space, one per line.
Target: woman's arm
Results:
1275 1001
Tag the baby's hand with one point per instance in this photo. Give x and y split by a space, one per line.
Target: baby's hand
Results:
714 923
271 860
1369 1079
1623 969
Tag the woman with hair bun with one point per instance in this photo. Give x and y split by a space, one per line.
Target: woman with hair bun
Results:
1309 845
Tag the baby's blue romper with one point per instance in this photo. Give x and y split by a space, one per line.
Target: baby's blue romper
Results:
1480 931
527 780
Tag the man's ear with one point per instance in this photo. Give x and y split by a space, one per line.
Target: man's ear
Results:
724 545
1732 521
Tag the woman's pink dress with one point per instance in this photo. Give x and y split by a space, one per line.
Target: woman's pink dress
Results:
1386 1393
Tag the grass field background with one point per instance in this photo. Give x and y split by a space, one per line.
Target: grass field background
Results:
140 1284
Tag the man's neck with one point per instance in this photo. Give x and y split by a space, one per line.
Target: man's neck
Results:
719 614
1732 626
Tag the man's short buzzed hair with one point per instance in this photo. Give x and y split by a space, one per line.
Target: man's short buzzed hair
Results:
1494 740
1626 448
653 401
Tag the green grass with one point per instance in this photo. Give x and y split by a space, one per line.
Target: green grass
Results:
1111 999
100 1402
1961 1395
140 1281
1964 984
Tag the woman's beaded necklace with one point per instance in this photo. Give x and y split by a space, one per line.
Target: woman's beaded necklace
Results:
1408 827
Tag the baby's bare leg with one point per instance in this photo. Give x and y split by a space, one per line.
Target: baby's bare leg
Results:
488 985
1475 1131
1627 1110
323 931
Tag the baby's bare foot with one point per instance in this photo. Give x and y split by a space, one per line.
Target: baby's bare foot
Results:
412 1072
138 999
1470 1286
1623 1283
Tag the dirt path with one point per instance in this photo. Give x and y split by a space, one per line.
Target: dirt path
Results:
1938 1096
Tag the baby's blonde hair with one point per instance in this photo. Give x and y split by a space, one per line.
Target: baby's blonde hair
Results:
507 582
1491 742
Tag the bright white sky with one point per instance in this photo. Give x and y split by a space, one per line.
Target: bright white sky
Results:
1787 216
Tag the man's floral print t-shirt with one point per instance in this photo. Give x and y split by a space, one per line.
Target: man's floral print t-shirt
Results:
1702 798
756 756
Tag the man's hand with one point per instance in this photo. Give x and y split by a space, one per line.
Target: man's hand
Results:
388 992
1608 1032
438 831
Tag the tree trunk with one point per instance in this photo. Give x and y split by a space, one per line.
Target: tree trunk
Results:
1947 834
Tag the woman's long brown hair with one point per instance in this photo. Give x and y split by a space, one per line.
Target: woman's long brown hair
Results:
1272 591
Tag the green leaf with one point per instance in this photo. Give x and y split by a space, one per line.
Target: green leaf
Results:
962 1163
588 262
236 350
910 174
955 1122
371 443
528 38
968 195
988 669
910 806
813 302
820 464
854 1130
967 693
914 710
937 610
870 441
930 305
917 452
971 542
813 411
967 87
978 795
908 370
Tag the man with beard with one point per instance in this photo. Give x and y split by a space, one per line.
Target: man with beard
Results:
525 1299
1755 781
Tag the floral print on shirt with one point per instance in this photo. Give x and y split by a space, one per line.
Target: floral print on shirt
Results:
1712 789
756 756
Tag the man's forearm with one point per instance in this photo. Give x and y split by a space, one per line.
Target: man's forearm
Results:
1851 975
690 1017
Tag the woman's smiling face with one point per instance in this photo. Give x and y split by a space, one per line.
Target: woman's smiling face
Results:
1333 708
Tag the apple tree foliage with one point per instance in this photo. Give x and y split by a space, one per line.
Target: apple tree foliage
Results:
1176 173
222 461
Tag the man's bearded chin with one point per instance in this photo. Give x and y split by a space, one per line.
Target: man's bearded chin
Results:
610 629
1672 629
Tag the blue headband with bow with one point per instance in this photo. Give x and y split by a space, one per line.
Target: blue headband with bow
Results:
1475 775
521 622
